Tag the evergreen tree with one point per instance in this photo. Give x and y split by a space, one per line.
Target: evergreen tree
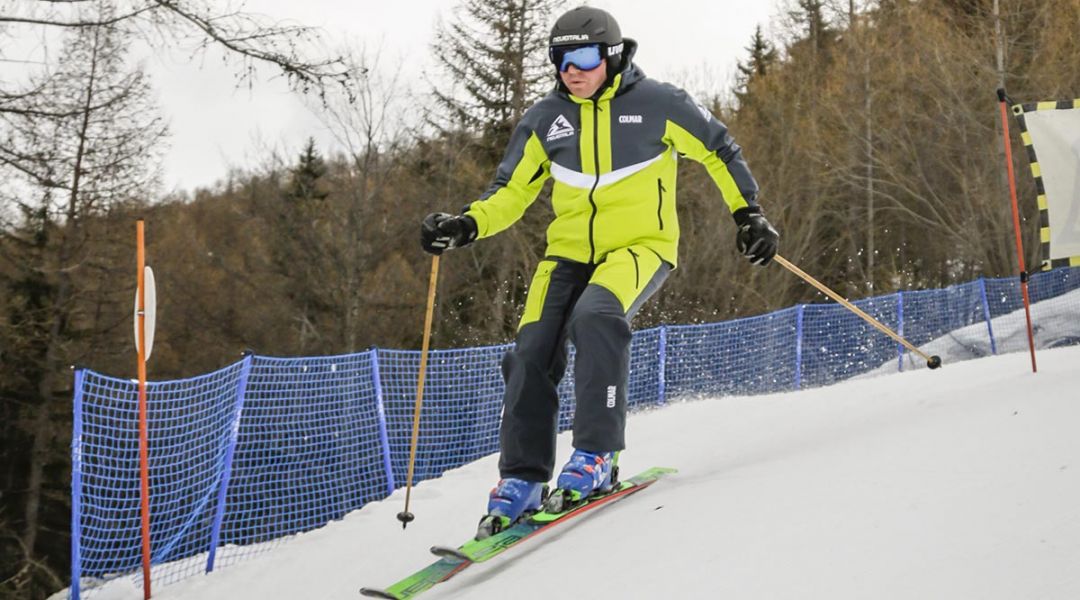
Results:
304 226
762 57
494 53
816 33
305 184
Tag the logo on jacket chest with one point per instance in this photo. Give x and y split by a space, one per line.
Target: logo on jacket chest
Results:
630 119
561 128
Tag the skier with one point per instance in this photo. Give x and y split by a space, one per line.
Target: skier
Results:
610 138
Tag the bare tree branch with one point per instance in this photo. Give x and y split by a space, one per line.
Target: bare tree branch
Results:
238 33
74 24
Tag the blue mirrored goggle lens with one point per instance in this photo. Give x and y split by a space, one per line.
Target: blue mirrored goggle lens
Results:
585 58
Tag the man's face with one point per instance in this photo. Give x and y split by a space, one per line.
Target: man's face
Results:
584 84
583 69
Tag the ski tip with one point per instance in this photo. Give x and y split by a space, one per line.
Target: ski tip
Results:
450 553
377 593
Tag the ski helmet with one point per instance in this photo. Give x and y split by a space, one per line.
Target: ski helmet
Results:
587 25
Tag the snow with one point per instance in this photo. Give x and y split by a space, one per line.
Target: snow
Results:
962 482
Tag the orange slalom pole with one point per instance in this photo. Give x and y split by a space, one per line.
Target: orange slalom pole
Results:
144 460
1002 98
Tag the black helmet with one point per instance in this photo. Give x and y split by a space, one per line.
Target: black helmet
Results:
588 25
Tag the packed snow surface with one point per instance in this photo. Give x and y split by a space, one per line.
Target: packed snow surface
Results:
958 483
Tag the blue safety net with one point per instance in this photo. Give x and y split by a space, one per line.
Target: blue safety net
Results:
308 450
188 425
243 457
743 356
461 408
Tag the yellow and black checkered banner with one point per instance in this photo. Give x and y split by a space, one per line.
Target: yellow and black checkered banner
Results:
1053 128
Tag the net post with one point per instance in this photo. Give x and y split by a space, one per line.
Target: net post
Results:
800 309
900 329
380 412
230 452
986 315
76 486
661 367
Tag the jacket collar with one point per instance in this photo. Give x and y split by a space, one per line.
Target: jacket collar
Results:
604 94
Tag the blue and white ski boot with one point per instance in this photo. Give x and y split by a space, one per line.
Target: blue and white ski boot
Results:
510 501
585 474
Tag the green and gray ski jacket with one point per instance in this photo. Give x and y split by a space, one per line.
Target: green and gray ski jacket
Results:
613 159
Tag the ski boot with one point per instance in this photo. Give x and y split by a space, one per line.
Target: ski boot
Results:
585 474
510 501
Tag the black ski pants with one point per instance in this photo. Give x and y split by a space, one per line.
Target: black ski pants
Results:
589 305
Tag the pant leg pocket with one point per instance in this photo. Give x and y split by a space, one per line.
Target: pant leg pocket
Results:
538 288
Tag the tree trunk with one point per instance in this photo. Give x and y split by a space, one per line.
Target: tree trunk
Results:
47 385
352 253
999 54
869 138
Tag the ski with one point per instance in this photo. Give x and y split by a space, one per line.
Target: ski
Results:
454 560
419 582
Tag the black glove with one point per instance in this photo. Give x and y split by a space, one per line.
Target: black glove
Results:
756 238
442 231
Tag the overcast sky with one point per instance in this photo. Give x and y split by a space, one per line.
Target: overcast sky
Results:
216 126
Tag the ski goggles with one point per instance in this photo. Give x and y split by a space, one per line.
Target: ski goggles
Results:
585 58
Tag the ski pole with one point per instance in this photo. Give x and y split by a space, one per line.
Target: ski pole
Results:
405 516
931 361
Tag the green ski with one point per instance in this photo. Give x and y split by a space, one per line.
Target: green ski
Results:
454 560
421 581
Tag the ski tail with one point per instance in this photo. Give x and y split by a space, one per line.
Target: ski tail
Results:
421 581
377 593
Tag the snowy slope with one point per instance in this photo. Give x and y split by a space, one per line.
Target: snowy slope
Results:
957 483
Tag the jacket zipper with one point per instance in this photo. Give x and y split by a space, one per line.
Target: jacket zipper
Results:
660 205
637 272
596 160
